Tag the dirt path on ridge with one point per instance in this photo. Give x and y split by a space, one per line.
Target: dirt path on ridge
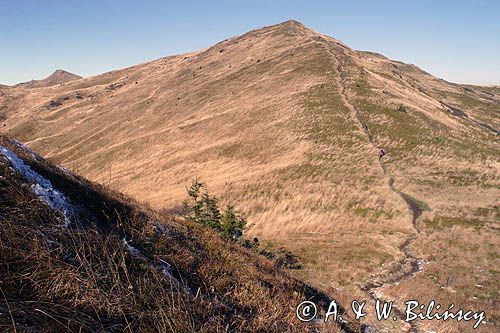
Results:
409 264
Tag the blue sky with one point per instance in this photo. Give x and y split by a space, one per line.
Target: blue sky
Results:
455 40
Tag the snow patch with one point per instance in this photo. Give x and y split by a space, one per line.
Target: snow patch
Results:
40 186
26 149
166 268
133 251
63 169
162 265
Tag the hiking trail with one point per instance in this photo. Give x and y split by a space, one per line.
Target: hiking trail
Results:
409 264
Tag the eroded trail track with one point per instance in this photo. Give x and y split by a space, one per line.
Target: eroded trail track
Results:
409 264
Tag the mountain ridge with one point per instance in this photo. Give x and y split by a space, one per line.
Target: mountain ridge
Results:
295 121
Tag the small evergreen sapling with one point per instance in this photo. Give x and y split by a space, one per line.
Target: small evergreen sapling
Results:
203 208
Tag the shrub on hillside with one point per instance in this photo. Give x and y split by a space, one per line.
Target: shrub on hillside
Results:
203 208
402 108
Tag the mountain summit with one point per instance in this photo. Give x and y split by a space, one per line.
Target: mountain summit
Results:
58 77
296 121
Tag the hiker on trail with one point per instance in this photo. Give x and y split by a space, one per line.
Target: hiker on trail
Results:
381 153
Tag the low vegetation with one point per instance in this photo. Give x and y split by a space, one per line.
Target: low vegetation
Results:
122 267
274 113
203 208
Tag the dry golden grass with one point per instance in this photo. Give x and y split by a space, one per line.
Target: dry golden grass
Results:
461 268
82 278
279 113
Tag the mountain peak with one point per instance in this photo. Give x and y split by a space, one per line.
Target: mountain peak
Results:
61 71
59 76
292 25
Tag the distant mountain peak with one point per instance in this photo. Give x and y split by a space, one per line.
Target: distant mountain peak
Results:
59 76
61 72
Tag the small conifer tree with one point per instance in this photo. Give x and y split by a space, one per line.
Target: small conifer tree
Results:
232 223
203 208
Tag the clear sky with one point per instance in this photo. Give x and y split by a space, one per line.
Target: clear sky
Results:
455 40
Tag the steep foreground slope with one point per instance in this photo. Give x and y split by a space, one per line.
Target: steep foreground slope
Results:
294 120
78 257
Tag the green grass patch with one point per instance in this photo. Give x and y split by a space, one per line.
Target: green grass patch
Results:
446 222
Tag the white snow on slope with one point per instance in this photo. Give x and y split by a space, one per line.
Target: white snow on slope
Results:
63 169
166 268
162 265
132 250
26 149
42 187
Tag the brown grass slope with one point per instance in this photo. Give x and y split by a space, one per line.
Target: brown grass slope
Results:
84 277
293 119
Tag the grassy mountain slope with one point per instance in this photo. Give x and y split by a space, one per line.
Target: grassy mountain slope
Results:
117 266
294 120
